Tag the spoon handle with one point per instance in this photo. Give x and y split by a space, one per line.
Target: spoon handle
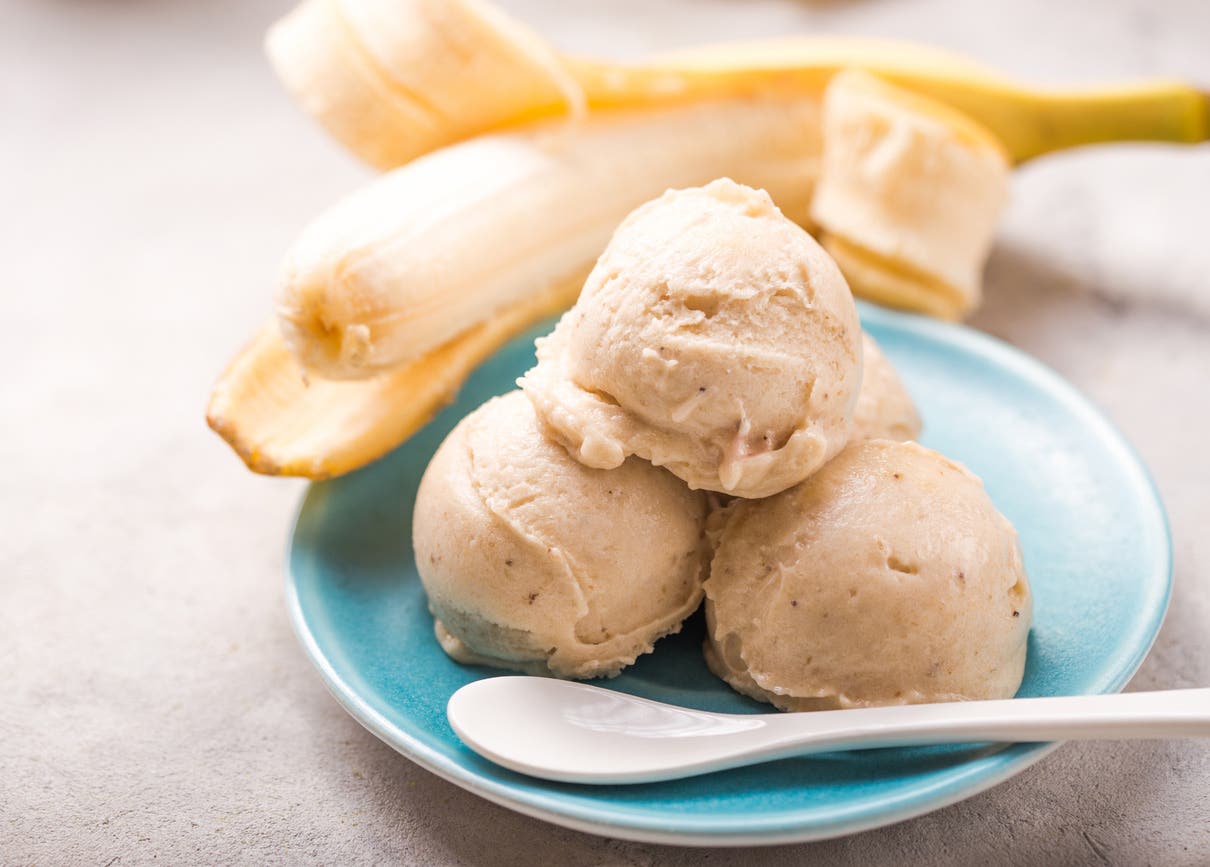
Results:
1167 714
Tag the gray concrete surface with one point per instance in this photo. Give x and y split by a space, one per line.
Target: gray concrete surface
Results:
154 705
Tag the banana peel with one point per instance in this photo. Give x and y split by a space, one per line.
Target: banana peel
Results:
393 79
1029 122
283 423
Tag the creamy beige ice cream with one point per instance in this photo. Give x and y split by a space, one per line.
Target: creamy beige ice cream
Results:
888 577
884 408
908 196
535 562
714 337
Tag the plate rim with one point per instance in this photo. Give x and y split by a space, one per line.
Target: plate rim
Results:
595 819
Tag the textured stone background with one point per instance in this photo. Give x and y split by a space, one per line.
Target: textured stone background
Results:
154 703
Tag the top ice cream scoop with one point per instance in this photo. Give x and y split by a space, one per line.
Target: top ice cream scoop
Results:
714 337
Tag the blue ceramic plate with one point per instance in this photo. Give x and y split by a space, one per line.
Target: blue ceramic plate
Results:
1096 548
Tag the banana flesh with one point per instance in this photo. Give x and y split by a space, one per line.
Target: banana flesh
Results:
457 236
909 195
394 79
282 422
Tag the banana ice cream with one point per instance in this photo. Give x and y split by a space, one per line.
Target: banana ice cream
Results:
714 337
535 562
908 196
884 408
888 577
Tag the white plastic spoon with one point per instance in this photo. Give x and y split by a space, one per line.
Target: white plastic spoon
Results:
573 732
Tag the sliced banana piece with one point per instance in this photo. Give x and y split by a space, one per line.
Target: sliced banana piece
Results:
909 195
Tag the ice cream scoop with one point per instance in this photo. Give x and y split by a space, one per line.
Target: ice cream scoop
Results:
909 195
888 577
534 562
884 408
714 337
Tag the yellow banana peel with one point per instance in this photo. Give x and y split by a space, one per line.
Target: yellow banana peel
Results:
394 79
1028 121
283 423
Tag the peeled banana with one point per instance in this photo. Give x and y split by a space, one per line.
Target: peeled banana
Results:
433 247
394 79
